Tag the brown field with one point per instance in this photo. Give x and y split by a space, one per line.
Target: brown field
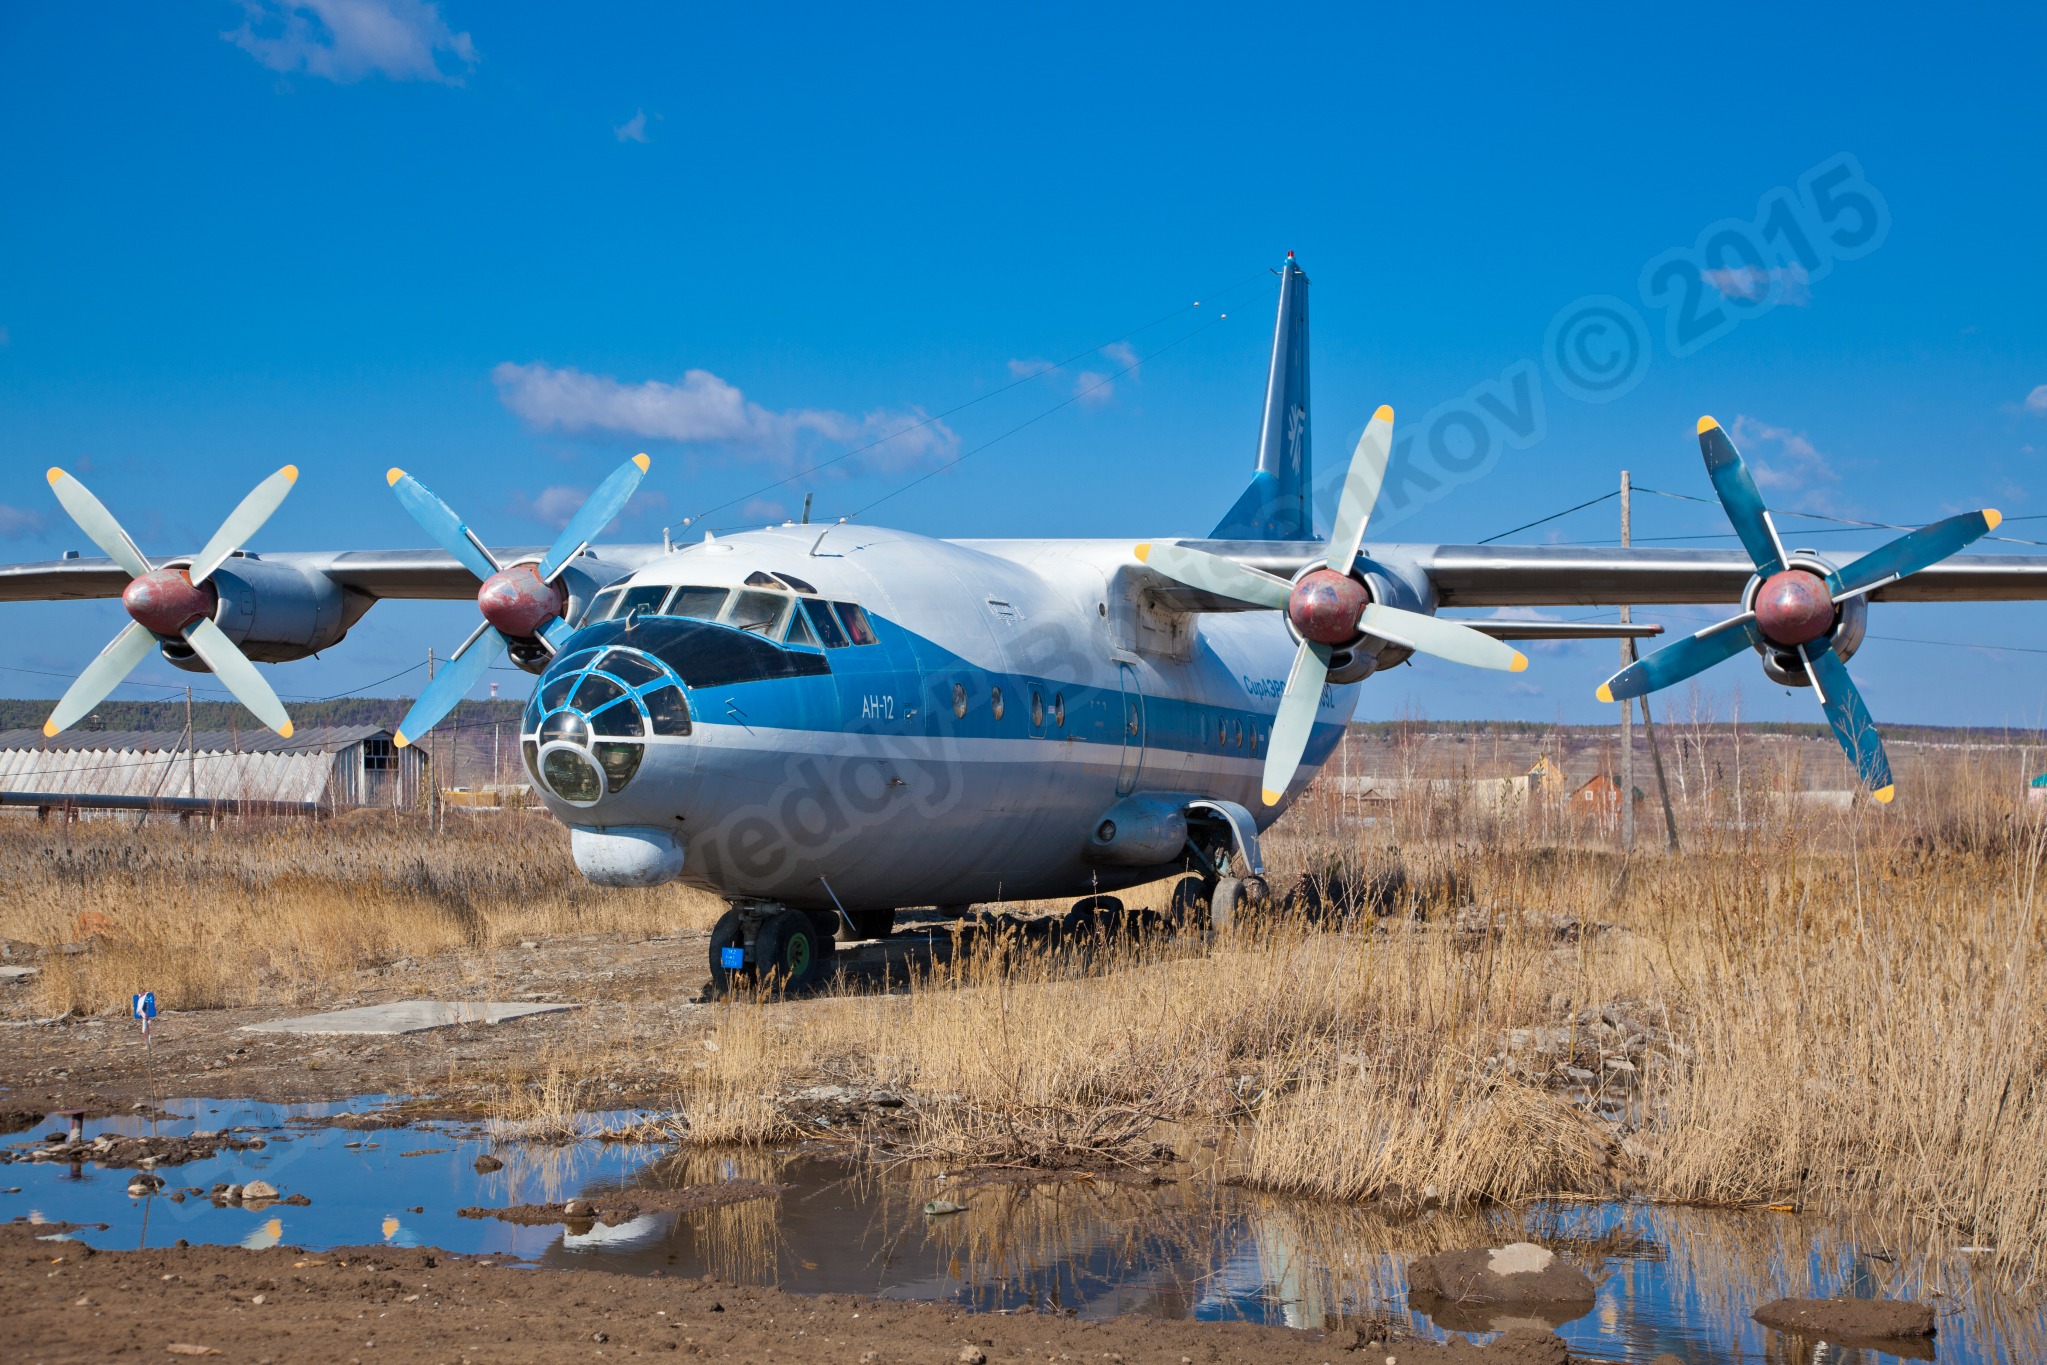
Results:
1832 1008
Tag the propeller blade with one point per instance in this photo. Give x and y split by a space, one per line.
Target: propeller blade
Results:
1850 719
1296 718
1738 495
1913 551
237 674
1451 640
593 516
449 686
1361 489
438 520
100 677
97 523
1674 663
243 522
1213 573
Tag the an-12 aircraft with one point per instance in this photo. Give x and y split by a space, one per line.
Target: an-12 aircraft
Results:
827 723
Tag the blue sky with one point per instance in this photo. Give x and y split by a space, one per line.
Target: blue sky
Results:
505 246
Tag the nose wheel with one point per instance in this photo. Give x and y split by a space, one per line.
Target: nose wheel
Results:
771 946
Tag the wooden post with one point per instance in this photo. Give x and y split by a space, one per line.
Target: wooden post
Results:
1627 711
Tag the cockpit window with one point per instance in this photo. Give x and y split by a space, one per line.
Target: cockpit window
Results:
793 581
703 654
596 690
825 624
799 631
645 599
698 604
601 605
757 612
855 621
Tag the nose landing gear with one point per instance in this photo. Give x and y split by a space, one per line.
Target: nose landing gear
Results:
781 949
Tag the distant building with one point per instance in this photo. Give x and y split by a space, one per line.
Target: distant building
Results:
316 770
1601 793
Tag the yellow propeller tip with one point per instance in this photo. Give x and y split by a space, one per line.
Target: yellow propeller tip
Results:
1384 414
1520 664
393 475
284 730
1706 424
1272 798
642 461
290 472
398 739
1143 552
1605 692
1992 517
1883 797
50 730
54 474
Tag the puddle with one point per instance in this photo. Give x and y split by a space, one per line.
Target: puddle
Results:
1670 1280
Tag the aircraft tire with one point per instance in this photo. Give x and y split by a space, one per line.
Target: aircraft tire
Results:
1190 903
729 932
791 953
1223 903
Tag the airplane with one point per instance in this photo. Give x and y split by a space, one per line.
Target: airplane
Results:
825 724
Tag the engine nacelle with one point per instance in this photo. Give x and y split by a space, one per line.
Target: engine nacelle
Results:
1359 655
274 612
1850 624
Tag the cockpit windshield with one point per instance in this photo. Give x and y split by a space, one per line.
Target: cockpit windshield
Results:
766 607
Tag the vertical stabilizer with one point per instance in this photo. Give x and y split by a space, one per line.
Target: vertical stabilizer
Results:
1277 505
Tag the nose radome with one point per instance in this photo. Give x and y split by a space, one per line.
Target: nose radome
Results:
517 602
1794 607
165 601
1325 607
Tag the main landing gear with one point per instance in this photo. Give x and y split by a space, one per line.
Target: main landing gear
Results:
781 949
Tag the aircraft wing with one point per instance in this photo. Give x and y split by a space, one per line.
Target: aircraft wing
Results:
1579 576
416 574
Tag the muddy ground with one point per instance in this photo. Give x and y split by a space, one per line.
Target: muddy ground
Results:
67 1303
627 992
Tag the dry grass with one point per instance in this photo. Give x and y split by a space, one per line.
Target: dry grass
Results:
1834 1008
254 912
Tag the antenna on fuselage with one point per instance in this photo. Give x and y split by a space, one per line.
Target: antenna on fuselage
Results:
806 507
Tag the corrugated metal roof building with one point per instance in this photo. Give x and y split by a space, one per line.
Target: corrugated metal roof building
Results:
333 768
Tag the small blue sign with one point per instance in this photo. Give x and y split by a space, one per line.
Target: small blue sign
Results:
732 959
145 1005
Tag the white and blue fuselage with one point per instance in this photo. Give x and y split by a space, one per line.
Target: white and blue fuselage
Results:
876 719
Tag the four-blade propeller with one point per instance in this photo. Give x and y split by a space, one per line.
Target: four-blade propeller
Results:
520 602
1328 609
1794 610
170 604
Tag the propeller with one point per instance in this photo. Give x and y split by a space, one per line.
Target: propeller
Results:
520 603
1795 611
1328 609
170 604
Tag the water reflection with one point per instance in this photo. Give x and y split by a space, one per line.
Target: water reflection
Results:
1669 1280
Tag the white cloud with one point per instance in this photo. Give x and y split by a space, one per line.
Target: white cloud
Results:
702 409
763 510
1783 459
18 522
1785 284
346 40
555 504
633 129
2036 401
1093 388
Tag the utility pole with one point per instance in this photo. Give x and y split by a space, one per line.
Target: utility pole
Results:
191 769
433 764
1627 710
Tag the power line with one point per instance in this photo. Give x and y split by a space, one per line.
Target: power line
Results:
1077 396
1551 517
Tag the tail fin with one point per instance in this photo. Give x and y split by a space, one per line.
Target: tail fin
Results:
1278 504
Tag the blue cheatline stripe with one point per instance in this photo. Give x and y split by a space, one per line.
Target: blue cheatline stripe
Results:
841 703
